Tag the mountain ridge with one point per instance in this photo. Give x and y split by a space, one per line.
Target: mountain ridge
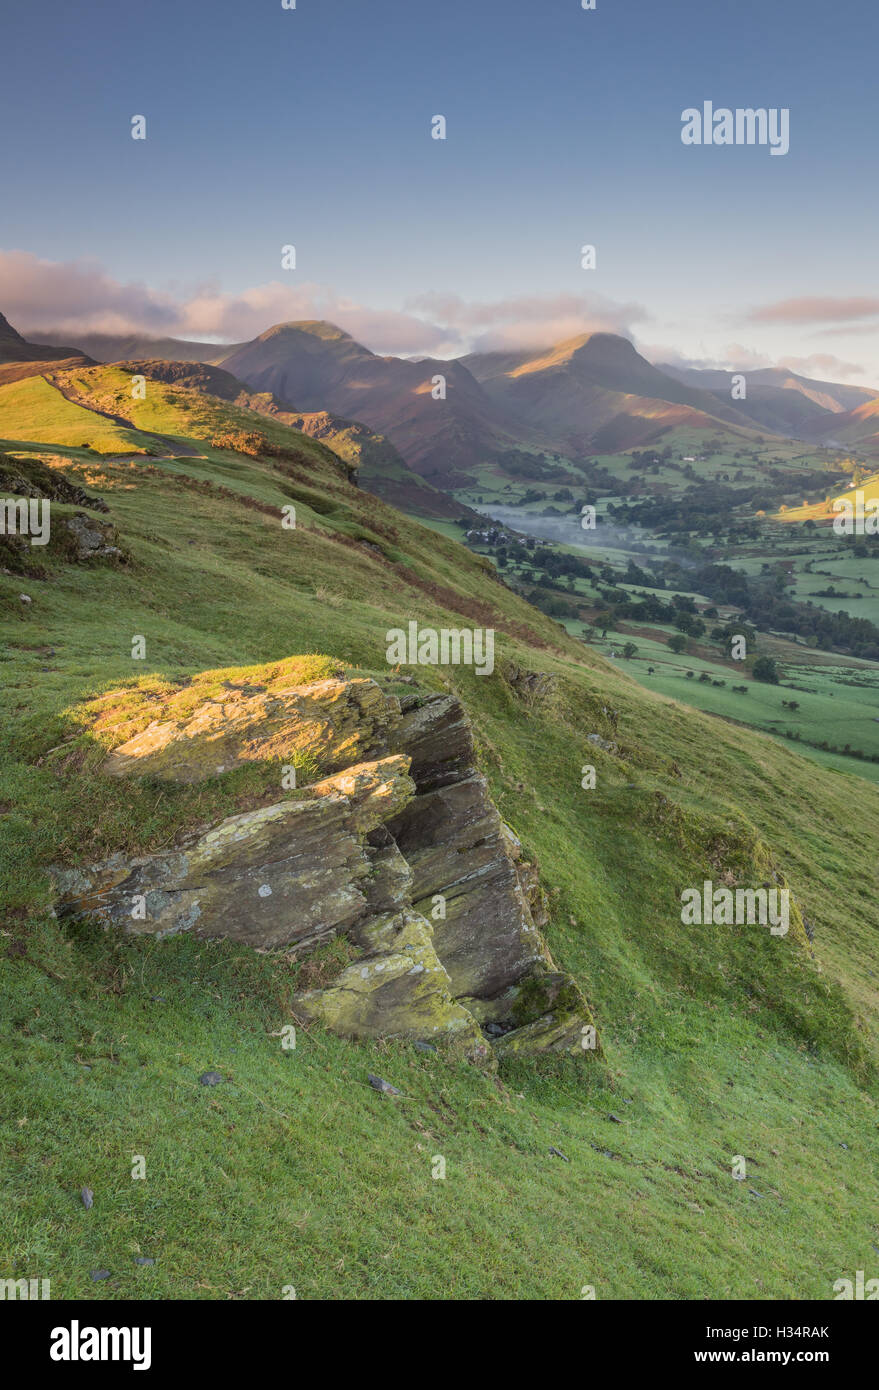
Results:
448 419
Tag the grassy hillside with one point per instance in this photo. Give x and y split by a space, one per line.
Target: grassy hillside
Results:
217 412
35 411
717 1041
380 469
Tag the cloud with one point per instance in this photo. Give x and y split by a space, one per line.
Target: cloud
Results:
214 314
864 330
526 321
79 294
822 364
815 309
737 358
744 359
734 357
79 297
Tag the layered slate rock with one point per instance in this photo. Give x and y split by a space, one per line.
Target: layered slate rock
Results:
338 722
451 837
400 849
286 874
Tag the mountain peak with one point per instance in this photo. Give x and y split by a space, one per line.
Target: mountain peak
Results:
603 343
585 348
7 332
17 352
315 328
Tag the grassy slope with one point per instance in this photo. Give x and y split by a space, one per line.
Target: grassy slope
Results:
725 1041
34 410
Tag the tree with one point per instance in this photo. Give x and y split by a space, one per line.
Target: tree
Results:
630 650
677 642
765 670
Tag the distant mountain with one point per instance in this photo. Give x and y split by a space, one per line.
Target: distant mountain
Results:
322 368
778 400
595 393
592 394
120 347
20 358
855 429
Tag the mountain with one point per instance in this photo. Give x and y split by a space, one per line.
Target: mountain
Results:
595 393
19 358
323 368
381 468
506 412
781 401
588 395
855 429
119 347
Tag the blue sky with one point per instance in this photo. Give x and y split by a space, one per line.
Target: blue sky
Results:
312 127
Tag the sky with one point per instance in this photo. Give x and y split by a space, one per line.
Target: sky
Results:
311 127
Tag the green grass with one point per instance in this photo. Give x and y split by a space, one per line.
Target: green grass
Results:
32 410
838 705
294 1171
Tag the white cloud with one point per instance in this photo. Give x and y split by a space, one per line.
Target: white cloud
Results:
80 297
823 365
527 321
79 294
735 357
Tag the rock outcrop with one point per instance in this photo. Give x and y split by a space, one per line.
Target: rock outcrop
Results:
400 848
85 539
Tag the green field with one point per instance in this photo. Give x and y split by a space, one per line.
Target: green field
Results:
836 697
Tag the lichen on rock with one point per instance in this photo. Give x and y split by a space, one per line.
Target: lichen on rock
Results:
400 849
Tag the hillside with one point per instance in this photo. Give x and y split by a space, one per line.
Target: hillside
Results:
34 410
380 469
857 428
713 1041
118 347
